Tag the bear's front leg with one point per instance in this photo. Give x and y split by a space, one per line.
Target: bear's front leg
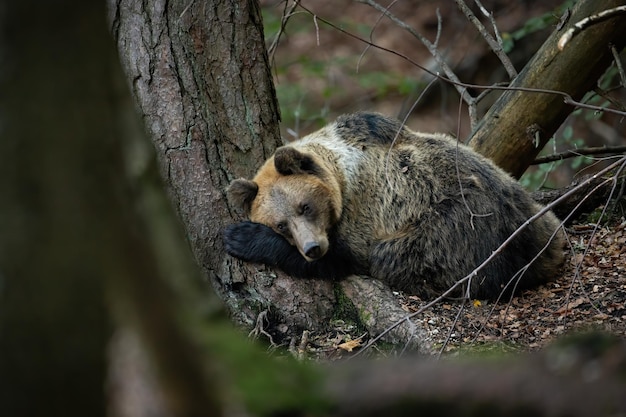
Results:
256 242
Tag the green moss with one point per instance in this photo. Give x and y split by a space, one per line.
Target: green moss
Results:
609 216
346 311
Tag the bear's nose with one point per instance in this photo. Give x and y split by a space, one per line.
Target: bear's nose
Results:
312 250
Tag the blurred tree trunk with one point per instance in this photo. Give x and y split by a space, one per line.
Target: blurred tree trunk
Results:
53 324
520 123
85 237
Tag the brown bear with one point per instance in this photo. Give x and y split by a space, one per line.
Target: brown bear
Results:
366 195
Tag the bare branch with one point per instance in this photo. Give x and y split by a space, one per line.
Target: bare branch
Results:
429 45
371 37
572 153
618 64
439 26
287 13
454 323
567 98
496 46
496 31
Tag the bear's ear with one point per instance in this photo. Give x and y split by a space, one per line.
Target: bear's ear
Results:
241 193
290 161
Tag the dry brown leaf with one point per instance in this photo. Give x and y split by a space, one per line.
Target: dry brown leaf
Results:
577 259
350 344
571 305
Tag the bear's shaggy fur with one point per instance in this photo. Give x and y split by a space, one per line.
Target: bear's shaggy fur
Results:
366 195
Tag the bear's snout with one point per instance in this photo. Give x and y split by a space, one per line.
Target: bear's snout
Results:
312 243
312 250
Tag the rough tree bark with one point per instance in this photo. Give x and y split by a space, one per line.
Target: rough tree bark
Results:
201 76
520 123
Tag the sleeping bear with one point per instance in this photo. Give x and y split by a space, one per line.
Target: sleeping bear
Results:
366 195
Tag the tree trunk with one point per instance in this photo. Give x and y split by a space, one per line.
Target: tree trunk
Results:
201 76
520 123
53 324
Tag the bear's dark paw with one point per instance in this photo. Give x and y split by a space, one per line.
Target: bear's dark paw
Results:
238 238
254 242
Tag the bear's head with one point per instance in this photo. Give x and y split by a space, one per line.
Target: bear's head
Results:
295 193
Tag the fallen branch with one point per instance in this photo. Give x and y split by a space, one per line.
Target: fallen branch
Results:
588 21
578 190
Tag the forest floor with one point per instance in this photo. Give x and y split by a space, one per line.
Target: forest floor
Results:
589 295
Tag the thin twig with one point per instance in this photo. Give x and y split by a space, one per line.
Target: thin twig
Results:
593 234
395 138
618 64
495 46
185 9
460 182
567 99
439 28
492 20
580 203
572 153
430 46
605 94
371 36
454 323
317 30
287 13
